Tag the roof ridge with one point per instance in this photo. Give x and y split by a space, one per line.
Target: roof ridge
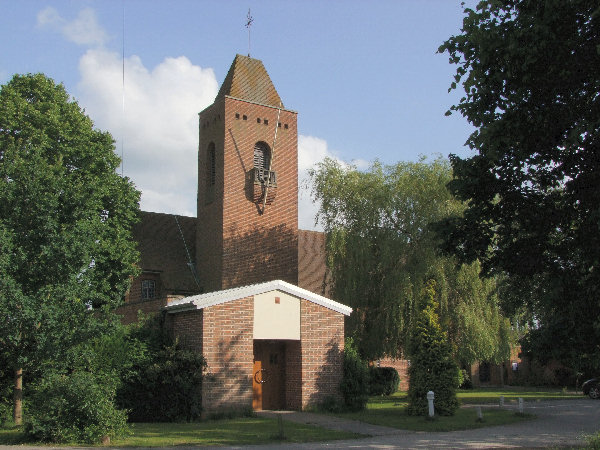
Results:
205 300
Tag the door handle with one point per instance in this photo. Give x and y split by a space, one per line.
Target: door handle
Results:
259 376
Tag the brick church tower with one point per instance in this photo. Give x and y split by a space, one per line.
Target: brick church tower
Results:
247 227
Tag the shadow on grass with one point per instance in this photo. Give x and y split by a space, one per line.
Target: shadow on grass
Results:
231 432
12 435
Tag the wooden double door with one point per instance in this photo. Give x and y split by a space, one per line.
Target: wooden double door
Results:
268 383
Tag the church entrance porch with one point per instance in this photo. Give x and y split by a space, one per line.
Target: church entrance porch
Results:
276 378
268 378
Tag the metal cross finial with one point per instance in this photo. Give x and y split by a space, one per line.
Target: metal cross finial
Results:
249 20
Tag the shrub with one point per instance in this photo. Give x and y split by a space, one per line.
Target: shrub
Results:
593 442
74 408
383 380
432 367
5 413
465 380
165 383
330 404
355 383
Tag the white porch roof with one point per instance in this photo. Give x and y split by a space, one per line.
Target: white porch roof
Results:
202 301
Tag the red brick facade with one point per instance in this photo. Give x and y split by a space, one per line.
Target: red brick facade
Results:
238 241
312 263
227 344
322 347
401 366
224 334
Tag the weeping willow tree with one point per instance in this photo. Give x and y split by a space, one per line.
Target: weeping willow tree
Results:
381 250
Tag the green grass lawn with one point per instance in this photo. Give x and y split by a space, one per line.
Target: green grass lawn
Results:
387 411
391 411
242 431
511 394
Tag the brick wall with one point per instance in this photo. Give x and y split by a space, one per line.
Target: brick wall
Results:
401 366
293 375
322 346
228 348
209 232
237 243
312 263
134 294
187 328
130 311
134 304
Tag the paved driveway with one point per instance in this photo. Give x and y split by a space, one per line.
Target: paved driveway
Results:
558 424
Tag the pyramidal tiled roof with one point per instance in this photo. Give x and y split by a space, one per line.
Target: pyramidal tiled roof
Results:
248 79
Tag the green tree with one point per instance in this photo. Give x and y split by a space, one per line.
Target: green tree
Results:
432 367
474 320
65 221
381 250
355 383
530 73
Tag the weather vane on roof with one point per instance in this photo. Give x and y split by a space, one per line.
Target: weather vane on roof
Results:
249 20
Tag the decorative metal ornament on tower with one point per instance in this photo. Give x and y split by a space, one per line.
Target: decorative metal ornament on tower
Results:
249 20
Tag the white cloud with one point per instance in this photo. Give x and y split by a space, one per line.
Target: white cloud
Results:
311 150
83 30
154 120
153 116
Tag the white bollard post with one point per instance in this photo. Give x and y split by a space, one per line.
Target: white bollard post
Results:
479 414
502 401
520 405
430 396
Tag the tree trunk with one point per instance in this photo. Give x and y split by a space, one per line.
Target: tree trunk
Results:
18 397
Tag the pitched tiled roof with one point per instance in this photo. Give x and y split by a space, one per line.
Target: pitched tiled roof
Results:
216 298
162 249
248 79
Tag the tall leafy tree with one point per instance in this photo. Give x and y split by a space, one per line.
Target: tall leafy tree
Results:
531 76
381 250
65 221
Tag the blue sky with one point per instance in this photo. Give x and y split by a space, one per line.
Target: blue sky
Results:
364 76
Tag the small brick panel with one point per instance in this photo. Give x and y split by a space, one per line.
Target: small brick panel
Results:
130 311
293 375
401 366
312 264
187 329
322 346
228 348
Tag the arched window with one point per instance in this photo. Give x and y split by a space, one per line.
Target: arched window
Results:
262 156
211 175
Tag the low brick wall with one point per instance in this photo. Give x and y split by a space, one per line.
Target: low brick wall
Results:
401 365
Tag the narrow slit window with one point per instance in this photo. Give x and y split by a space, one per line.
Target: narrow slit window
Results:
212 165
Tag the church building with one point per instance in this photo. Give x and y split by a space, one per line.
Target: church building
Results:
240 283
